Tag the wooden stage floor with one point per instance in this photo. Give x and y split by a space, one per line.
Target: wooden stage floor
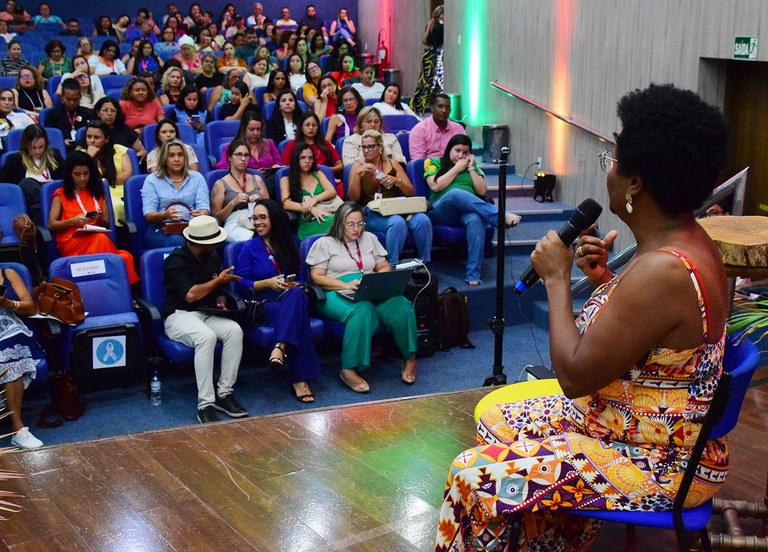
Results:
359 478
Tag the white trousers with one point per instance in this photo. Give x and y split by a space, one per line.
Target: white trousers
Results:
201 331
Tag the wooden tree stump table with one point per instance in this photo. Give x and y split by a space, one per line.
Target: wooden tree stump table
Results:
743 244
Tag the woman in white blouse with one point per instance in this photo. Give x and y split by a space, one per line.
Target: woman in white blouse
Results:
338 262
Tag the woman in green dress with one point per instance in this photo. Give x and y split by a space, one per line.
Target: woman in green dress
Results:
305 191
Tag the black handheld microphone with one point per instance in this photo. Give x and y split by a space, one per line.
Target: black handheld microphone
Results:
584 216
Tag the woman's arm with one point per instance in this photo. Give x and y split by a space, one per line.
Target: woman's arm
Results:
47 101
382 266
285 195
478 181
25 306
333 124
139 148
645 311
240 109
127 171
55 225
445 180
329 191
318 276
131 65
354 190
261 186
402 181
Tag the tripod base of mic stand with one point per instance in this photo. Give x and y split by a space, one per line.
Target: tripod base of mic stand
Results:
495 379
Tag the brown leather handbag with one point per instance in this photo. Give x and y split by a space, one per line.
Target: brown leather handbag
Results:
25 230
67 403
173 227
61 299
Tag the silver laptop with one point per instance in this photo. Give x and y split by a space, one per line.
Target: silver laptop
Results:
377 286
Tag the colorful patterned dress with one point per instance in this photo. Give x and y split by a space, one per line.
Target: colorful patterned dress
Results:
624 447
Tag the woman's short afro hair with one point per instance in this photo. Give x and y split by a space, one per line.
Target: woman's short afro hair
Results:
675 142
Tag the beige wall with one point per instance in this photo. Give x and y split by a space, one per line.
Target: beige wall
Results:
604 49
407 19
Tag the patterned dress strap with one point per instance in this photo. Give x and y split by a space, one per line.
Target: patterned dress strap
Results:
701 294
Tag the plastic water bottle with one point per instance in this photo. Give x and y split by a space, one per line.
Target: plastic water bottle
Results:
155 390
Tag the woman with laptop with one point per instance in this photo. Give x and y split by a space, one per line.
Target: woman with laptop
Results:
338 262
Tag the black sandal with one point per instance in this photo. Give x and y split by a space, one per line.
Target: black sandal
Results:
277 362
306 398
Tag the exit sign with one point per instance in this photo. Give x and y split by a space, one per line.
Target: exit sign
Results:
745 47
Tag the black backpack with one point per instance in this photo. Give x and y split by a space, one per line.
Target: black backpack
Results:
453 320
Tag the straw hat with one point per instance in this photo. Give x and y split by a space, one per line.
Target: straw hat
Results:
204 230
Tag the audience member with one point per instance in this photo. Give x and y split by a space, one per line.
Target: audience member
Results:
368 88
338 262
342 124
112 161
265 264
343 27
91 89
187 56
146 63
45 17
172 194
107 62
193 276
78 206
287 46
325 104
310 89
258 75
308 132
9 118
33 165
121 26
5 34
377 176
319 47
370 119
347 74
233 194
164 131
239 102
18 369
248 50
285 23
32 97
171 84
296 75
139 104
209 77
189 109
54 63
166 46
263 152
85 47
312 21
13 62
72 28
285 117
390 103
105 28
70 115
257 18
458 186
278 81
430 137
205 42
108 111
304 191
229 61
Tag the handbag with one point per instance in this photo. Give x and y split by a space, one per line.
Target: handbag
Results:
176 227
25 230
398 205
255 313
60 299
330 206
67 402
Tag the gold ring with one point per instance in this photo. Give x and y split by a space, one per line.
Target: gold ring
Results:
580 251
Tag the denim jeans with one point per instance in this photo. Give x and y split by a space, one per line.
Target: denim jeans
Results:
459 206
396 229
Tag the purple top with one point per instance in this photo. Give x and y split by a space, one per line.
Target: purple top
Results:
268 156
341 131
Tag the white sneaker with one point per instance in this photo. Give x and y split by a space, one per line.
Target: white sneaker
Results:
25 440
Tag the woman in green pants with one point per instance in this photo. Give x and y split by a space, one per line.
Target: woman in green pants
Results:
338 262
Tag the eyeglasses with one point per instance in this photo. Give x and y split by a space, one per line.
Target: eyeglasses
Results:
241 155
353 225
606 161
714 212
26 76
108 110
348 100
261 218
367 147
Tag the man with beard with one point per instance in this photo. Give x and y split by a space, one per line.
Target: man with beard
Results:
192 276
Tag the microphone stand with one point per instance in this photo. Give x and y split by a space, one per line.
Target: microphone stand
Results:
497 322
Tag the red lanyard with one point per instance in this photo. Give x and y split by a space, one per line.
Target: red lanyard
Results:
242 186
72 119
272 257
359 260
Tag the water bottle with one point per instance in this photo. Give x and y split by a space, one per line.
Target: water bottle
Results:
155 387
379 176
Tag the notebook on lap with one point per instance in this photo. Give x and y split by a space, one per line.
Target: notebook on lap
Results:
377 286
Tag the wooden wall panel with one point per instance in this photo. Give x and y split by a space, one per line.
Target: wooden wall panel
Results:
613 47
